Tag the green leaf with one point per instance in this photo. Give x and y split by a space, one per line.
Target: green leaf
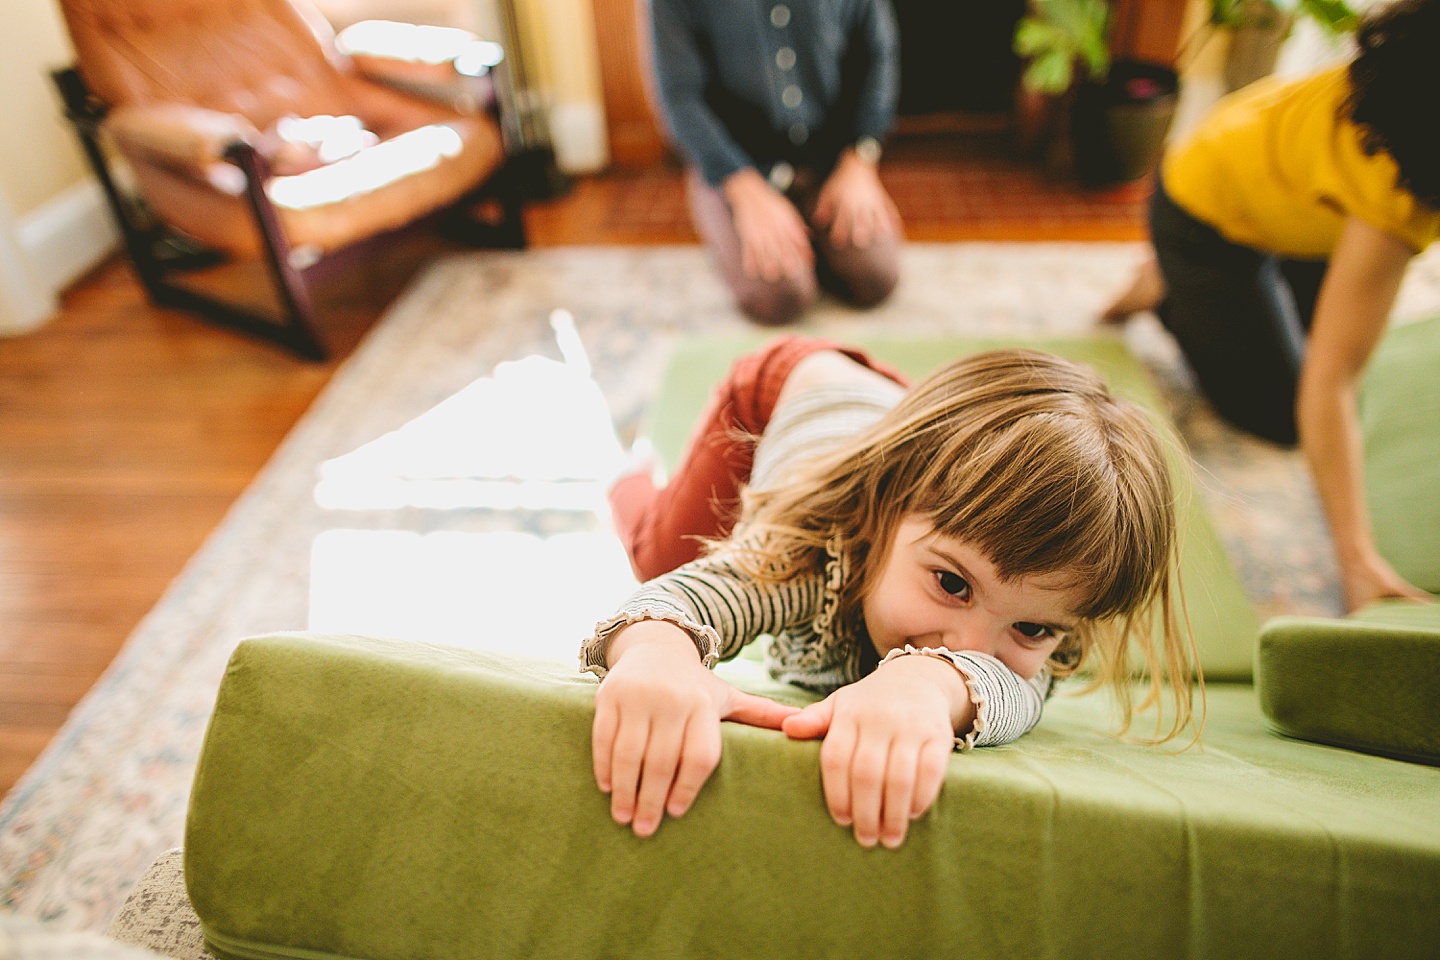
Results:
1034 38
1056 34
1335 16
1049 73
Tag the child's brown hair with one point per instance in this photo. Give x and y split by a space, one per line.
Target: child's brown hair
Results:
1031 459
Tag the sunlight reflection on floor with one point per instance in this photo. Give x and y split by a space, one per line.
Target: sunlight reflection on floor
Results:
534 439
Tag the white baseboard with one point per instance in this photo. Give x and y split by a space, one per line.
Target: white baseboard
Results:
577 130
67 236
24 304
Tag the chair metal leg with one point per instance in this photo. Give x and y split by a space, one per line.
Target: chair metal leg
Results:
491 215
299 330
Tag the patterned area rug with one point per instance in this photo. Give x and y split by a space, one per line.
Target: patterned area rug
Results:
110 793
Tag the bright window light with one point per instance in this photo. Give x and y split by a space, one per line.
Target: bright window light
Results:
367 170
508 592
421 44
333 138
537 435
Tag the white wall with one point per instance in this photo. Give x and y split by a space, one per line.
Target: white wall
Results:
54 226
1307 48
24 302
559 41
561 33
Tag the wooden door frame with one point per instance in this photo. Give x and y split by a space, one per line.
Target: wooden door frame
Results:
623 39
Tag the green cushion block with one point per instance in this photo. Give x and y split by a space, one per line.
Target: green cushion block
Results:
1400 418
389 801
1223 620
1368 682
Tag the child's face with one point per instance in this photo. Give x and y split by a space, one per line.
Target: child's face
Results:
936 591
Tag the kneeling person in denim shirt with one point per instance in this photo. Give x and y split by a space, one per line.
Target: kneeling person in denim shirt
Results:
779 108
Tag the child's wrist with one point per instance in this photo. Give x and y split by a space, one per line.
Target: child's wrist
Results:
935 666
648 632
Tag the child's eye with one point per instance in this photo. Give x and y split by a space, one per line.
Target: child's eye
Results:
1034 631
953 584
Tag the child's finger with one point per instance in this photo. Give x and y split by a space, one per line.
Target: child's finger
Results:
662 756
758 711
699 758
867 786
811 723
602 742
835 755
930 774
899 792
625 760
845 228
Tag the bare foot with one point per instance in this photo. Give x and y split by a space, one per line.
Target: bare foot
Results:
1146 291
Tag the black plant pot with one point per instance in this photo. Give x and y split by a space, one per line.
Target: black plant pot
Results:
1119 126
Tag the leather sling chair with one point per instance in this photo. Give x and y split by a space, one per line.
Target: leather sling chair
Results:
201 99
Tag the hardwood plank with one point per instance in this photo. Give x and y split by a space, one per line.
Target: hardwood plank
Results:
126 432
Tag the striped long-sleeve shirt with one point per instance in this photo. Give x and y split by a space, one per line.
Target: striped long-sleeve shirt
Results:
723 608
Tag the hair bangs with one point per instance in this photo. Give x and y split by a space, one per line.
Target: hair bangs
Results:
1045 496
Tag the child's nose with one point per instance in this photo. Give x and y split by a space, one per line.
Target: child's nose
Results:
977 636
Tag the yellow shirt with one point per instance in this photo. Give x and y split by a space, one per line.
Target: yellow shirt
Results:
1279 167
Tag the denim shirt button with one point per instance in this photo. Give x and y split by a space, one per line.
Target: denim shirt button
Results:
780 16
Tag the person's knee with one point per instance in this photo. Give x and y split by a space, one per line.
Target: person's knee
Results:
863 277
776 303
1268 421
873 286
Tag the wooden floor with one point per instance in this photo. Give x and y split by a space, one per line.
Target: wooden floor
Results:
126 431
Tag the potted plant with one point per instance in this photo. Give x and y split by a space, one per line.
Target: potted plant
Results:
1119 113
1257 28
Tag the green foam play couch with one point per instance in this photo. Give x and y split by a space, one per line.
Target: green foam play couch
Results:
1369 682
384 800
381 800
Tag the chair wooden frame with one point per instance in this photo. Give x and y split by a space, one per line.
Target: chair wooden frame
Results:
159 255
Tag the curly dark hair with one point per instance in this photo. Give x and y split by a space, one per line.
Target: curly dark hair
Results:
1395 92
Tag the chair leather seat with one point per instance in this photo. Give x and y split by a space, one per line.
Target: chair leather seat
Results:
262 60
220 218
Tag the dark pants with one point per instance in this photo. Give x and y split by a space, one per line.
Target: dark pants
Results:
1240 315
862 277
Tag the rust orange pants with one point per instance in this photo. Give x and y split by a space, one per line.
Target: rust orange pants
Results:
661 527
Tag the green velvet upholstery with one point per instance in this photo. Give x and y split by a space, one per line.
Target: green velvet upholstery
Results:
1372 680
1400 418
360 799
1224 622
1368 682
382 800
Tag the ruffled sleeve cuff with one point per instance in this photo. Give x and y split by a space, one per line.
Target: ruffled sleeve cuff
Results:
594 650
966 740
992 686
